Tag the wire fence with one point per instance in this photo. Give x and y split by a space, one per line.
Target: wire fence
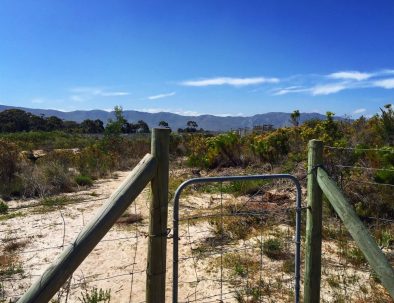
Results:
237 242
33 235
364 176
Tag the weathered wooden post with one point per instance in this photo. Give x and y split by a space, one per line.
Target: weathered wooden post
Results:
44 288
313 239
156 267
358 231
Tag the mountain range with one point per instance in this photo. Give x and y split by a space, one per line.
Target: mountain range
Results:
175 121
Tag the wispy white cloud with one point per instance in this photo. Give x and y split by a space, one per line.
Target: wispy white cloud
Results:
324 89
359 111
160 96
385 83
351 75
327 89
85 93
229 81
289 90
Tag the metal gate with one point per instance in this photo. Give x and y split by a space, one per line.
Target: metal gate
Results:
176 221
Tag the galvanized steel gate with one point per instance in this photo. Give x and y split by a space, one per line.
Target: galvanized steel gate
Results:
298 210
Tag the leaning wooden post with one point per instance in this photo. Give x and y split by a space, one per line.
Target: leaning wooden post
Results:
358 231
313 239
156 267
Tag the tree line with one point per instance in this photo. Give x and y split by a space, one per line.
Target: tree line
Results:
17 120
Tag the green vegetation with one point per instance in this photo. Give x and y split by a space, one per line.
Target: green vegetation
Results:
17 120
82 180
70 158
95 296
11 216
11 269
273 248
56 201
3 207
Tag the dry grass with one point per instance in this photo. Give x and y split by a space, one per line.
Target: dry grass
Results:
13 246
130 218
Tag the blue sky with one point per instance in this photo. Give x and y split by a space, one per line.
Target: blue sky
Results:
198 56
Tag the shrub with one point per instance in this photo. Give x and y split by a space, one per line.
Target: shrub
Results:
83 180
3 207
9 156
96 296
58 176
273 248
271 147
55 201
93 161
45 178
197 148
225 149
354 255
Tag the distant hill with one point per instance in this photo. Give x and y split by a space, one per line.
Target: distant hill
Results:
175 121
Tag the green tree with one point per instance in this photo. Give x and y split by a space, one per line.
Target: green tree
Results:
92 127
37 123
387 116
54 123
14 120
163 123
295 118
114 127
142 127
191 126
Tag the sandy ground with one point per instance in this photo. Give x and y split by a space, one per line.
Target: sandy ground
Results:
118 262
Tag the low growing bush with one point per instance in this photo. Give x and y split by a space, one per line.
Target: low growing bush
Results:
83 180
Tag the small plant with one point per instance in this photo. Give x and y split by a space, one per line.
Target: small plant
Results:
334 282
11 269
83 180
11 215
3 207
241 265
273 248
95 296
385 238
354 255
56 201
2 292
94 194
288 266
14 245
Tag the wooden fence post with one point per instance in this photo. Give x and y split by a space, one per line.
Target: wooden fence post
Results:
358 231
44 288
156 260
313 239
